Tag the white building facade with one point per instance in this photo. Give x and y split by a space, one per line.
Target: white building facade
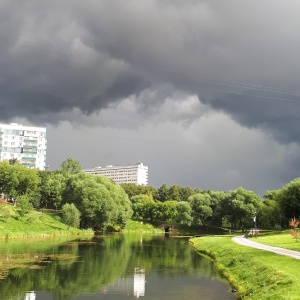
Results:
27 144
135 173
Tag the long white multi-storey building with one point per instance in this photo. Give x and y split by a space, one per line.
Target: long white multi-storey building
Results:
135 173
27 144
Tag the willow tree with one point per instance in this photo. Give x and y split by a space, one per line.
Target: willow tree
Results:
100 201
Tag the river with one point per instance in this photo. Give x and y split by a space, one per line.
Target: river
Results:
118 266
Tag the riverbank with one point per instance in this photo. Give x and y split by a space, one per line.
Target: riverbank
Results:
35 224
255 274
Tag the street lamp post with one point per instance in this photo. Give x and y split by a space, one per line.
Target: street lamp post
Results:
254 219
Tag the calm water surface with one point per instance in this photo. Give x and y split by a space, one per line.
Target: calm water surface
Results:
110 267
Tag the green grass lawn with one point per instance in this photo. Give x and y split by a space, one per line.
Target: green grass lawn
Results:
284 240
33 224
255 273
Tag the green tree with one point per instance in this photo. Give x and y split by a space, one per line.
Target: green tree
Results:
51 189
17 180
70 215
201 210
270 215
184 213
100 201
71 166
185 193
242 206
13 161
23 205
218 201
168 211
163 193
289 200
174 193
144 207
132 189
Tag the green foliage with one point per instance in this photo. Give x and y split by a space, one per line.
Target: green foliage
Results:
100 201
132 189
241 207
270 214
175 193
289 199
143 207
169 210
217 203
163 193
23 205
184 213
201 210
51 188
71 166
70 215
16 180
13 161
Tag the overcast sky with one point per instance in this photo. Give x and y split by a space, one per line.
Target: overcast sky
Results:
205 93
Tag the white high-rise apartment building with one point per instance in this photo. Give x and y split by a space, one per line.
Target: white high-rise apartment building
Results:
27 144
136 173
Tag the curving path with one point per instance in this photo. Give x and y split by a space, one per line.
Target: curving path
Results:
281 251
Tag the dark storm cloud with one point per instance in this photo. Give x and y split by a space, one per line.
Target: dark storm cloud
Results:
57 56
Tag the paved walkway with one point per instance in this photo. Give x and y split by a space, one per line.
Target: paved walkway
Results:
281 251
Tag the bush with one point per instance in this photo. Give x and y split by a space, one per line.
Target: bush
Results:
23 205
71 215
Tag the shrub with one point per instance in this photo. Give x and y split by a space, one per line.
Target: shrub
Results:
71 215
23 205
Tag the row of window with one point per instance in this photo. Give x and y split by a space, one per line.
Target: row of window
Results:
24 158
23 132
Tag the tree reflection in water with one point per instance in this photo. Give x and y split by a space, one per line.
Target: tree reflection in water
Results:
115 266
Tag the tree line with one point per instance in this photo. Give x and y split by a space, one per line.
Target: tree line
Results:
237 208
85 200
91 201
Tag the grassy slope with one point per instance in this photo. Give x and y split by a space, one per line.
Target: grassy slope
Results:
255 273
34 224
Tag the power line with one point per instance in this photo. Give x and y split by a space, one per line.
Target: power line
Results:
47 46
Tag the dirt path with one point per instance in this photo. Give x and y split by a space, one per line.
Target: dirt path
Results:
250 243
